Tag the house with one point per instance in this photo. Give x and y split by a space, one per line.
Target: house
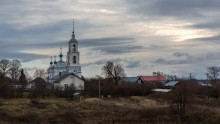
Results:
35 83
128 80
68 80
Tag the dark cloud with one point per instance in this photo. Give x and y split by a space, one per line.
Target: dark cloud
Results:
111 45
179 54
121 49
23 57
208 25
108 41
127 63
215 38
173 61
35 33
154 46
188 59
133 64
174 8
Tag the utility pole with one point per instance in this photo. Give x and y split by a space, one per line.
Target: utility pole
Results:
190 76
99 90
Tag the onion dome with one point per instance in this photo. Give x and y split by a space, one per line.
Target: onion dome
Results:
55 62
51 62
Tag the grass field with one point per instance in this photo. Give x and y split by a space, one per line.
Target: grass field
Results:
131 110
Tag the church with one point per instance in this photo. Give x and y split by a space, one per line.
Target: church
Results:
65 74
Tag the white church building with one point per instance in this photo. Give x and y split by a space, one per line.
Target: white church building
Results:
67 73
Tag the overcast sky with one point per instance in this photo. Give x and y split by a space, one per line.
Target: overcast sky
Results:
176 37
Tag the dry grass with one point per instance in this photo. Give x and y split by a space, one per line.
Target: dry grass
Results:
132 110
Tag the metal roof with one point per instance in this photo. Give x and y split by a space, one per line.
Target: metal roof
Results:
59 78
171 83
153 78
129 79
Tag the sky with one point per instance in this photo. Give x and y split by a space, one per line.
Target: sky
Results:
176 37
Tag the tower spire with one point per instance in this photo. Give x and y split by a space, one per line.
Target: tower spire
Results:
73 33
73 26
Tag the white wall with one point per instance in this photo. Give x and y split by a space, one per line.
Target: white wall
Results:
72 80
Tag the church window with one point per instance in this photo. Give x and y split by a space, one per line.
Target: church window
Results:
66 86
74 47
74 59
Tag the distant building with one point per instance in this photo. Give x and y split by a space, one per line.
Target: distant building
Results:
59 69
35 83
154 81
151 79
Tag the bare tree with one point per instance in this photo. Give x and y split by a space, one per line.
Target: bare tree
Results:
213 73
14 70
158 73
29 78
5 65
114 71
40 73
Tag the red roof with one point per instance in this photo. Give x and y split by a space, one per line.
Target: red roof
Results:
153 78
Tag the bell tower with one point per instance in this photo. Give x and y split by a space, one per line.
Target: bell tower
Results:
73 55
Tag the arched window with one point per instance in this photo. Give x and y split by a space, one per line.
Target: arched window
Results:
74 47
74 59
